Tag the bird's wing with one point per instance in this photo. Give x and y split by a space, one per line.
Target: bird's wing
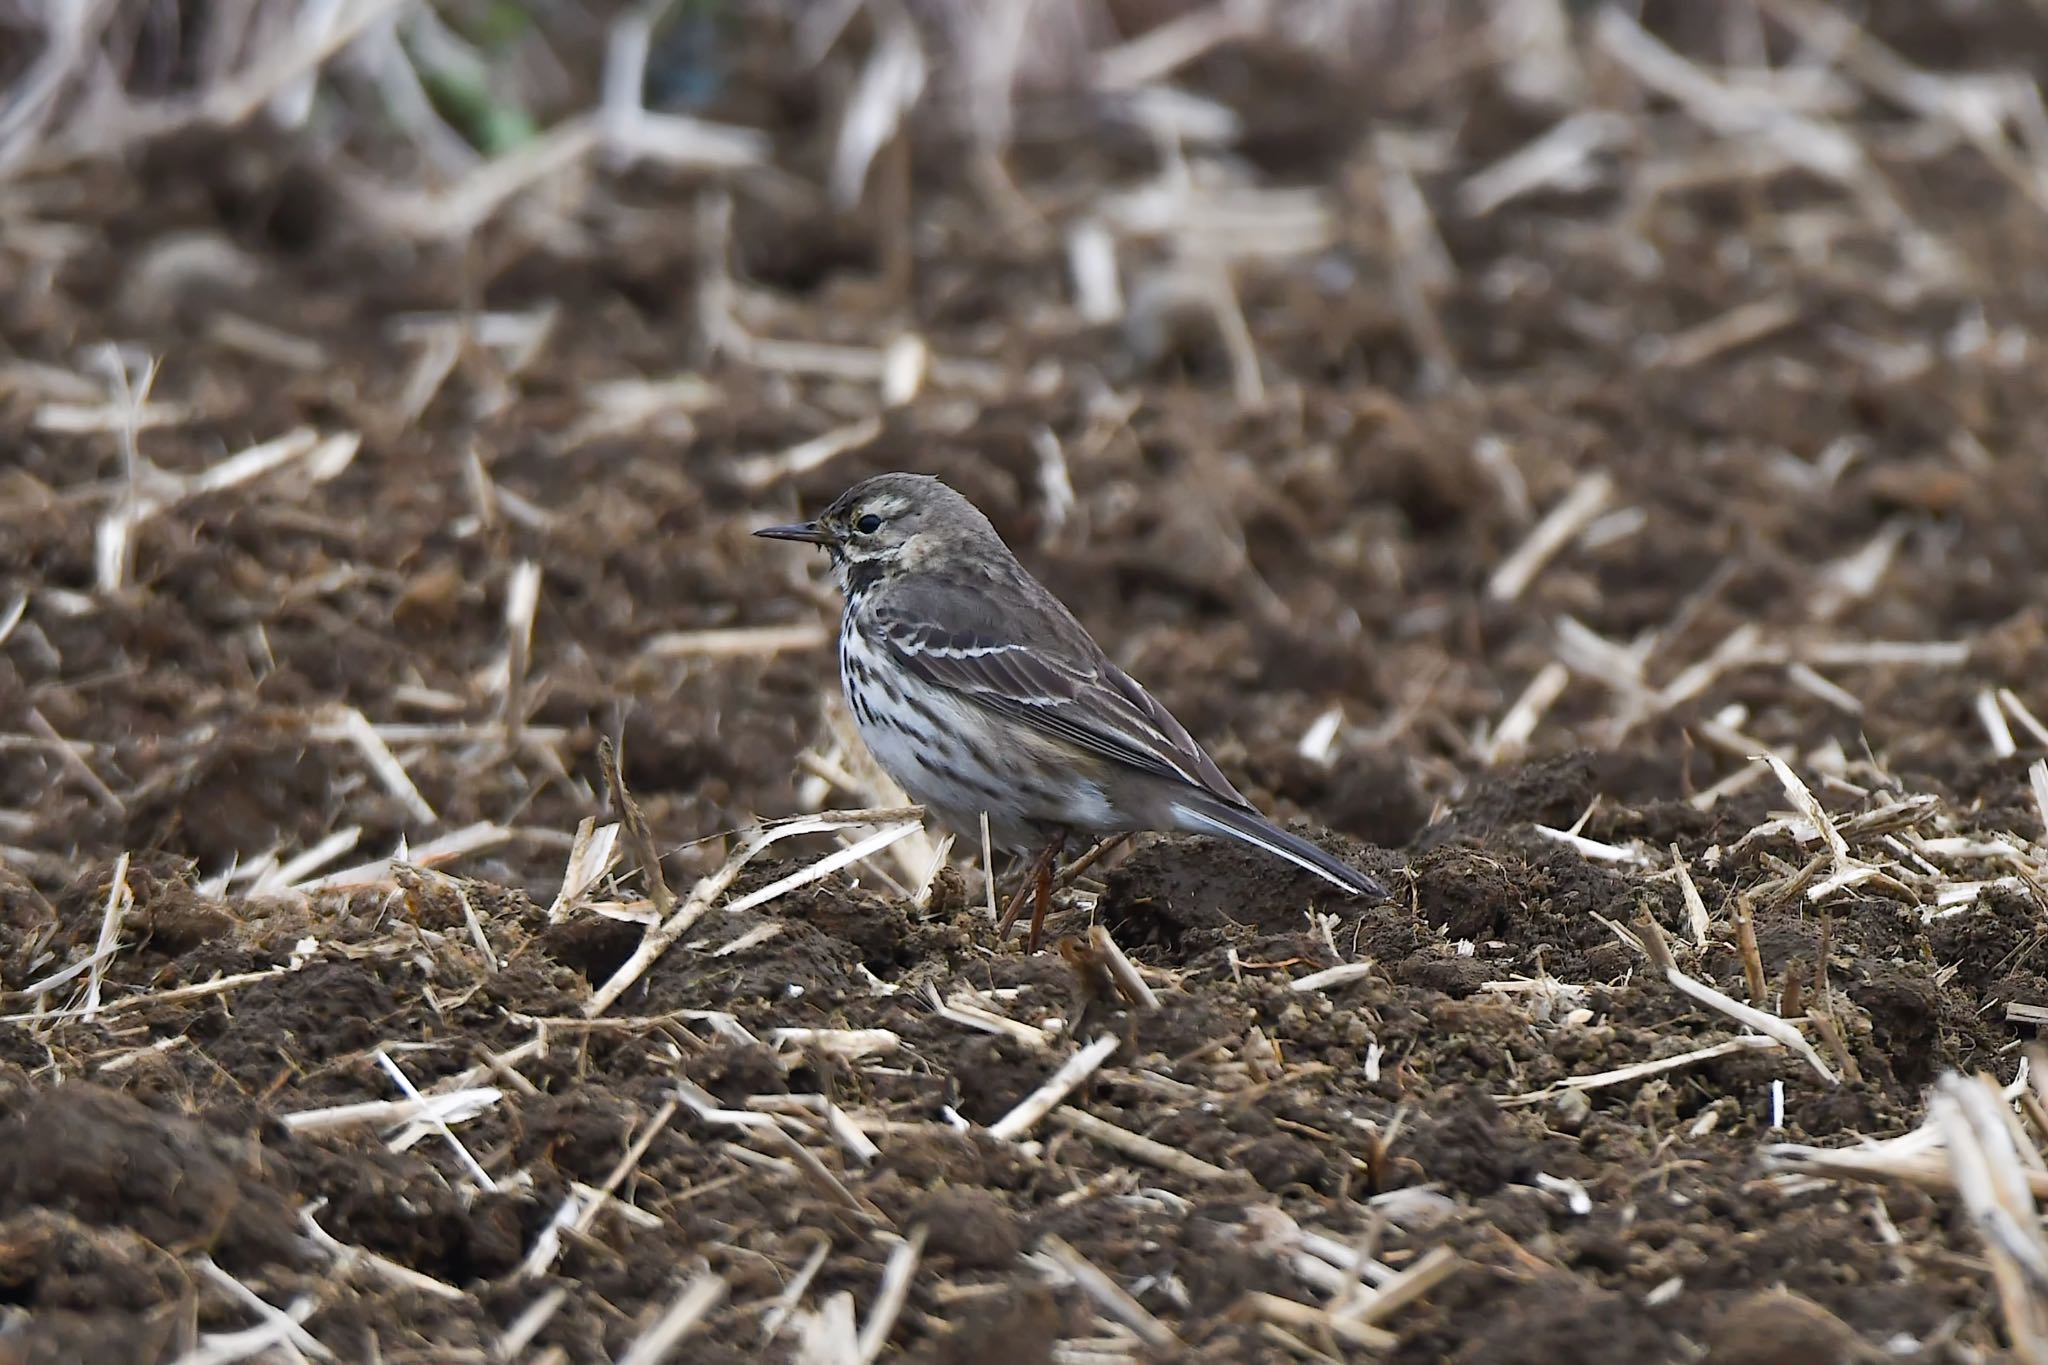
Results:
1053 678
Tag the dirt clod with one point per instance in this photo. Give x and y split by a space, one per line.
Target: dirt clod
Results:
108 1161
1775 1328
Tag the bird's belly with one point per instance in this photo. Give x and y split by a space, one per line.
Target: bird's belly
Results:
942 772
958 760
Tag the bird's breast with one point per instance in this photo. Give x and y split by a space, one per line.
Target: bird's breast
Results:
959 759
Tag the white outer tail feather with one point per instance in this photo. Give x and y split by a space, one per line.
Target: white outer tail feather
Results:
1254 830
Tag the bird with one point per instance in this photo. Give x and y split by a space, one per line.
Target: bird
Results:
979 692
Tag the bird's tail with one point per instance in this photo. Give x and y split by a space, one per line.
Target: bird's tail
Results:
1249 827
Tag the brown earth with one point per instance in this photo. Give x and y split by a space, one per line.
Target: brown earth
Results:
1256 566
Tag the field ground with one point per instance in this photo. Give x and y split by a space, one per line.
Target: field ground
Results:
1498 518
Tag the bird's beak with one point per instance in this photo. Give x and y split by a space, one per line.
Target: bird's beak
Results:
809 532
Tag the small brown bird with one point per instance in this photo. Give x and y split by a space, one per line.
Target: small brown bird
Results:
978 692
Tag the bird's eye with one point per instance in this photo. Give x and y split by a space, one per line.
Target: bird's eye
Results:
868 524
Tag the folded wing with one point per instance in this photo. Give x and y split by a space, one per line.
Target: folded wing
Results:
1062 686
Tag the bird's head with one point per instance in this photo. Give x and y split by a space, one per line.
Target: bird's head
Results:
893 523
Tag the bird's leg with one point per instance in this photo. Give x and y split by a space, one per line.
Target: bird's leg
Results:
1046 862
1037 878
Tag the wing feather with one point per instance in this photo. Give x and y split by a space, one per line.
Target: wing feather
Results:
1063 687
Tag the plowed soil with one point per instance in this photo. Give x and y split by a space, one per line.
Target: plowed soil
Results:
1867 471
